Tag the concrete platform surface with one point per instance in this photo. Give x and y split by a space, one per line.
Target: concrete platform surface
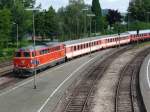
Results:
145 82
51 85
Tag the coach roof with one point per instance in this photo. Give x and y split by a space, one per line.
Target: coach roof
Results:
84 40
140 32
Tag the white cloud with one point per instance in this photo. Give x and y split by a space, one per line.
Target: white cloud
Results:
121 5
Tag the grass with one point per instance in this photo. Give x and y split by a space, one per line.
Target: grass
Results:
6 54
140 45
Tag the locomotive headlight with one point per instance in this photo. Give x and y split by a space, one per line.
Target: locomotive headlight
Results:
31 62
16 65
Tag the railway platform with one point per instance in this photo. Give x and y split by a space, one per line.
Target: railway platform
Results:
51 84
145 82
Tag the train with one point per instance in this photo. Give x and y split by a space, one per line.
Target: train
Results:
31 58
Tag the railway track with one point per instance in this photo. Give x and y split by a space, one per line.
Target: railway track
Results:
80 99
128 96
7 77
4 64
6 67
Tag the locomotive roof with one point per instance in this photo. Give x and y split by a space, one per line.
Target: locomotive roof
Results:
92 39
31 48
39 47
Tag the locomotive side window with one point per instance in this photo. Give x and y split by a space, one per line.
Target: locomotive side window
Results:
18 54
26 54
41 52
44 51
33 54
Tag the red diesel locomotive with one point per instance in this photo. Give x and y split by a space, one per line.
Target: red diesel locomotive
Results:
28 58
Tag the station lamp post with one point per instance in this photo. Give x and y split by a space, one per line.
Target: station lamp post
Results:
90 16
17 30
35 61
148 13
128 14
85 10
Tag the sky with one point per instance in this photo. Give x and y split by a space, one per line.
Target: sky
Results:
120 5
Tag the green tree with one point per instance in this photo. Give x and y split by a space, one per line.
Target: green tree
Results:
5 27
72 19
113 17
6 4
139 10
46 23
96 9
19 16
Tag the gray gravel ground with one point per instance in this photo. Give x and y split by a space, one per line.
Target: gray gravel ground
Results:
104 97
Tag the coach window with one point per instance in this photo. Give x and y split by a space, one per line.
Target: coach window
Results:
81 46
78 47
74 48
86 45
99 42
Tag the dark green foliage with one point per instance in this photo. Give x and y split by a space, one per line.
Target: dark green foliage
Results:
113 17
139 10
5 27
72 20
46 23
96 9
17 15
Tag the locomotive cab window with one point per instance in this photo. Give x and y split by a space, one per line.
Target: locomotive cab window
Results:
26 54
18 54
33 54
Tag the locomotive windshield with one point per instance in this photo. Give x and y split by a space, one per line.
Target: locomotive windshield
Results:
18 54
26 54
